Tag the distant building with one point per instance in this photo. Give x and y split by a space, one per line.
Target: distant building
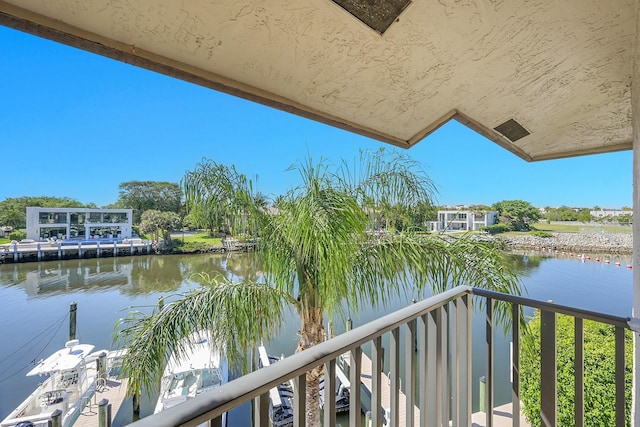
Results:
610 213
463 220
78 223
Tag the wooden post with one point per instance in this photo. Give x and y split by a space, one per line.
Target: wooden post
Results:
73 308
104 413
56 418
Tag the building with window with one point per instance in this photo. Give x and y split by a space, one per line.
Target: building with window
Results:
463 220
78 223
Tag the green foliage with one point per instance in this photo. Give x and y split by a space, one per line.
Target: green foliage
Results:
160 224
584 215
599 372
218 198
501 227
518 213
13 211
540 233
18 235
149 195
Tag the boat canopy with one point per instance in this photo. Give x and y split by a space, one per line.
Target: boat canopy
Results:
67 358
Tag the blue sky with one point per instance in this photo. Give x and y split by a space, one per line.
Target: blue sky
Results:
74 124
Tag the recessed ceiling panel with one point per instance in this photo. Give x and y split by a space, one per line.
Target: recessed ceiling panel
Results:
377 14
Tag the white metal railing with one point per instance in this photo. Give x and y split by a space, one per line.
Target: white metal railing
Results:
436 352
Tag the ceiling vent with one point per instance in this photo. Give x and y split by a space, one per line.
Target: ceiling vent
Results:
512 130
376 14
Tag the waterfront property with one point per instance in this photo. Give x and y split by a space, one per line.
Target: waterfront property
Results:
544 80
463 220
78 223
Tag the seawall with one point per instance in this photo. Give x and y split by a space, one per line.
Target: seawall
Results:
596 242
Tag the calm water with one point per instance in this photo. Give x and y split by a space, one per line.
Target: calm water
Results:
35 299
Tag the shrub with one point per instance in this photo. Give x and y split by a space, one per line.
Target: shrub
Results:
18 235
599 372
496 228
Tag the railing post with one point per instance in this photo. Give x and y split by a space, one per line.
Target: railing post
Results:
548 386
329 393
261 418
515 364
300 400
376 390
490 357
410 372
578 369
355 391
394 373
462 393
620 378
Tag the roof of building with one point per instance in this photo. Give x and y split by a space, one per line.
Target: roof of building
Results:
542 79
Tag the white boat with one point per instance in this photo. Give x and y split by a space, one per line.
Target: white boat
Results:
201 370
70 384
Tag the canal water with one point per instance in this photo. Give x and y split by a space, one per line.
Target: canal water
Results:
35 300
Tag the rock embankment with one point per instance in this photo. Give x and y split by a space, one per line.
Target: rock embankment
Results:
599 242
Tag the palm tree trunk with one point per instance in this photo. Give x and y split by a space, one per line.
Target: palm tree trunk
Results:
312 333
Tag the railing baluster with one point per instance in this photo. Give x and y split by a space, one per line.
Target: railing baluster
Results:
453 368
463 362
376 389
431 387
423 377
548 362
515 364
443 373
329 393
261 403
620 380
489 367
355 391
578 368
394 373
300 401
410 371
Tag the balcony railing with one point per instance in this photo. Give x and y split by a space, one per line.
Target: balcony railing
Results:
432 340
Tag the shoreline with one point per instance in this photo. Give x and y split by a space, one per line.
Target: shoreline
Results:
597 242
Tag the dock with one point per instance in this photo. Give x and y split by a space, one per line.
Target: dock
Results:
502 415
115 391
44 251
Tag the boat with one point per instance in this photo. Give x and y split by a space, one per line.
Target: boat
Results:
201 370
70 384
280 397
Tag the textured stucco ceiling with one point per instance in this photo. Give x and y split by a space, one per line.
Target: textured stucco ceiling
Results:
560 69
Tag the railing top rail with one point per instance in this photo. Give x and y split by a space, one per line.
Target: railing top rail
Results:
213 404
556 308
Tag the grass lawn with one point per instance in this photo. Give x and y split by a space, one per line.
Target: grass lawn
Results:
200 237
4 240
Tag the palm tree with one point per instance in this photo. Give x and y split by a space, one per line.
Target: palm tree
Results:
318 255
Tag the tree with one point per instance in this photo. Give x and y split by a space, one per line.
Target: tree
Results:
160 224
584 215
518 213
216 197
317 256
599 372
145 195
13 211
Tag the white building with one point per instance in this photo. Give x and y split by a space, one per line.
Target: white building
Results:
78 223
611 213
463 220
